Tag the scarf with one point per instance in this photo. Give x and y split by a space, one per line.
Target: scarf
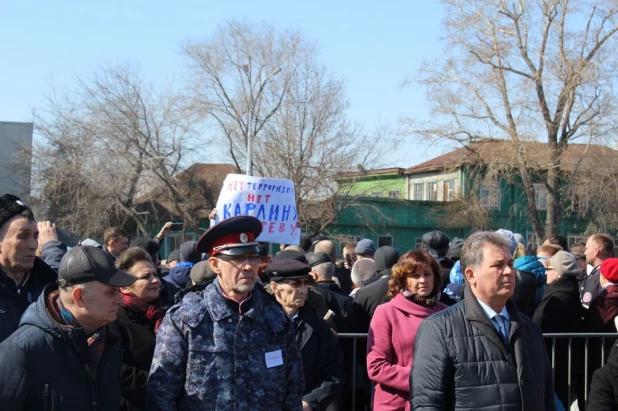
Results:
96 342
153 311
428 301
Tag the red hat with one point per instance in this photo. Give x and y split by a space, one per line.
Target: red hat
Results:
234 236
609 270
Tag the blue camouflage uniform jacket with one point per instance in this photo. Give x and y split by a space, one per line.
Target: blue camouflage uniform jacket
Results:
209 356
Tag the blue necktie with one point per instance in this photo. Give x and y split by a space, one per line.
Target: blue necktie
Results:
502 326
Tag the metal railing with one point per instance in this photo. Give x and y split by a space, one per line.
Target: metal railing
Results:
574 343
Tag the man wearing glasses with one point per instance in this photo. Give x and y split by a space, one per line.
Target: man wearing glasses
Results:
230 346
322 358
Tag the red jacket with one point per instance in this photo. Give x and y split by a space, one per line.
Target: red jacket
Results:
390 350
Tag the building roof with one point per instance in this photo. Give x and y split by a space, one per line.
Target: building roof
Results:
502 152
200 183
377 171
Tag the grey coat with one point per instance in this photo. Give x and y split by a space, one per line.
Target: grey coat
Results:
461 362
208 356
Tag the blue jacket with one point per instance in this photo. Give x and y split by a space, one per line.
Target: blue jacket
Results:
44 366
456 276
209 356
52 253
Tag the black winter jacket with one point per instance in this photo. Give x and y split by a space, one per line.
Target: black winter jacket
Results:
44 366
461 362
525 291
138 340
560 311
322 361
604 387
365 302
338 303
13 303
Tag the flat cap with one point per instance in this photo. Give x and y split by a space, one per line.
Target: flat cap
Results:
454 248
365 246
201 272
287 269
289 254
436 240
319 258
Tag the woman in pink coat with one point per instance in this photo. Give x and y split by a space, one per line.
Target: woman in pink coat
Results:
414 290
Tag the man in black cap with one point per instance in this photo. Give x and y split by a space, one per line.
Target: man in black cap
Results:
322 270
230 346
62 356
439 242
22 275
322 358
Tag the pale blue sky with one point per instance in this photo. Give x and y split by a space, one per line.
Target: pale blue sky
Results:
372 45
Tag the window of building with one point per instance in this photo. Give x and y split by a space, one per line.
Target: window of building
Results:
417 194
540 196
449 190
175 240
490 194
432 191
376 194
393 194
576 238
384 240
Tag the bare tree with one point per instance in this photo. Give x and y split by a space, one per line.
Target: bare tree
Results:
260 83
523 71
106 143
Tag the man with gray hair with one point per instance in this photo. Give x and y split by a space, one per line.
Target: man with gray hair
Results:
481 353
63 356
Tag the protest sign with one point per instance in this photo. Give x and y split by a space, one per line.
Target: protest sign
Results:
270 200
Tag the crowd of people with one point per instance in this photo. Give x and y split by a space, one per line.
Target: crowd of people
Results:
222 324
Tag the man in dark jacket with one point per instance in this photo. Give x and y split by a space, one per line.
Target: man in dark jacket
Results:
322 269
341 273
22 275
116 241
323 365
481 353
368 298
62 357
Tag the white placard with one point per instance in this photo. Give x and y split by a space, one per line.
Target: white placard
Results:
273 359
270 200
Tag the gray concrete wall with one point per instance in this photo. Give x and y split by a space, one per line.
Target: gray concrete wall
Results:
15 164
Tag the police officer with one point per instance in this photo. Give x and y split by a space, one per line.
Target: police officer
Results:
230 346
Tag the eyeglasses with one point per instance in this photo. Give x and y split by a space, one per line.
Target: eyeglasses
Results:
240 260
549 269
298 283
